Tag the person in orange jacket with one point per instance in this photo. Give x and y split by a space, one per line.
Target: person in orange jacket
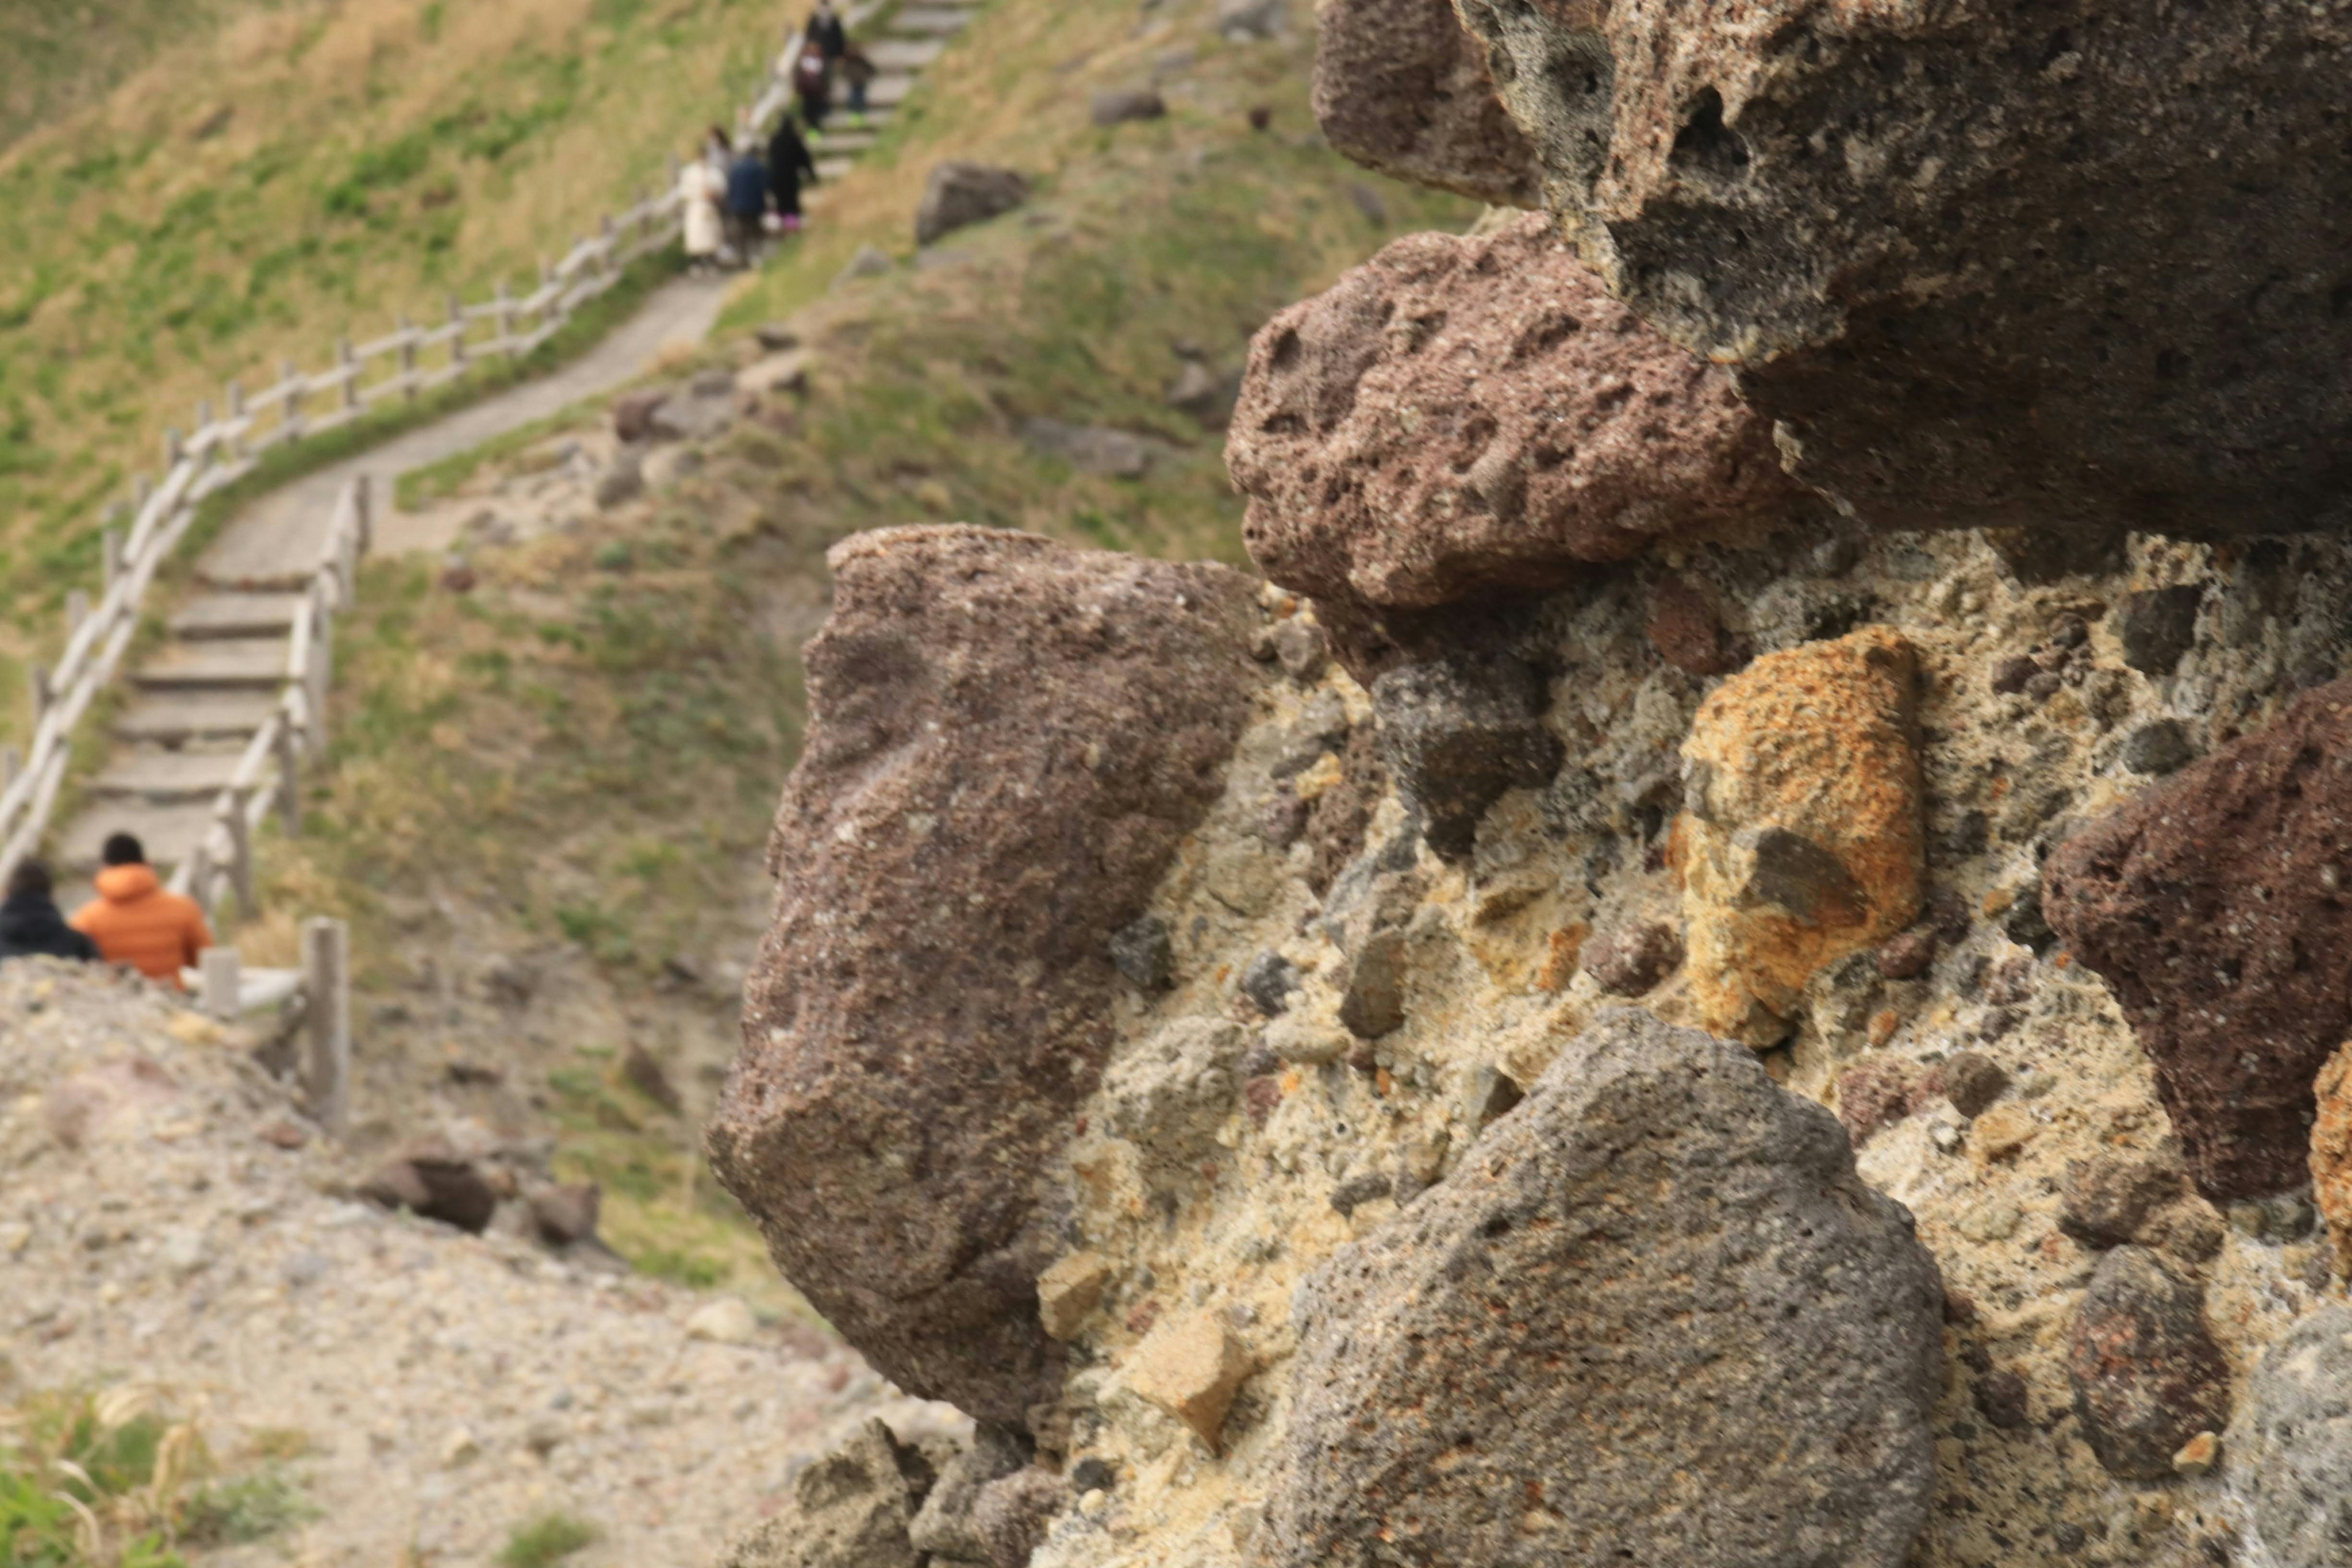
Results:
135 920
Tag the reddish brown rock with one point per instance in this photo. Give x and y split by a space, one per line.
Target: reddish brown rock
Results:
1874 1095
1008 738
1402 87
2214 906
2147 1374
1687 632
1630 959
1459 416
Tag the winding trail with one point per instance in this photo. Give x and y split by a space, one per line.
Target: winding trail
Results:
193 708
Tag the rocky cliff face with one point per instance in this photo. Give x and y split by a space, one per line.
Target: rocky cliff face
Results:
1685 1018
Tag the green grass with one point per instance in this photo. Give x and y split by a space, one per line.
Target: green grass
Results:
549 1539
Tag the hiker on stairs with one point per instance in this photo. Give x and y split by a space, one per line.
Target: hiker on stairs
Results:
813 80
30 924
701 190
829 32
137 921
788 163
747 203
858 72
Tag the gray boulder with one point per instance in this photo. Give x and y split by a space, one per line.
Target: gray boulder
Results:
1459 733
1114 106
1089 448
2292 1456
1657 1319
958 194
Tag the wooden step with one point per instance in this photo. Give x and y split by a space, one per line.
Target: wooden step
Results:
846 143
164 776
905 54
834 168
218 616
182 718
889 91
242 664
169 834
929 21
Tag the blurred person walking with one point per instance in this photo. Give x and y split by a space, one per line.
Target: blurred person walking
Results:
788 163
31 923
701 188
813 80
747 203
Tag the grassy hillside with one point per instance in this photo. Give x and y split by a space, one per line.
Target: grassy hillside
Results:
580 755
269 172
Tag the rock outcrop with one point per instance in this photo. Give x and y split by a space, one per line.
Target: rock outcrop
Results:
1656 1256
2214 906
958 194
1400 87
1009 737
2071 272
1800 839
854 1505
2295 1447
1460 416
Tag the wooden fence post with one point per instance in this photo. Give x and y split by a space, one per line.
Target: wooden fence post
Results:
327 1009
605 262
204 415
363 508
240 850
223 981
200 874
291 412
12 762
407 358
174 449
290 775
506 318
236 446
314 672
547 282
36 682
109 555
77 610
456 330
350 364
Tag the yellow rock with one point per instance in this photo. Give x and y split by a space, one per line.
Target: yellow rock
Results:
1800 839
193 1029
1192 1367
2000 1133
2331 1152
1070 1289
2198 1456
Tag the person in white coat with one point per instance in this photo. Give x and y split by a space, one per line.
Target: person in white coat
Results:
702 194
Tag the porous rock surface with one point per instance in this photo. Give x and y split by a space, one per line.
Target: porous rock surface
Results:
1468 415
1801 839
1400 87
2297 1444
1565 1352
1008 738
2214 906
2147 1377
2059 269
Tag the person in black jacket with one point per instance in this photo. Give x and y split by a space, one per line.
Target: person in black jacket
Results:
30 923
788 160
827 31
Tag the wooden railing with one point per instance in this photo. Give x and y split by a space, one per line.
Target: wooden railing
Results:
224 447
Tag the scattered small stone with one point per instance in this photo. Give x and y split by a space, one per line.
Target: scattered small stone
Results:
1245 19
1089 448
1092 1474
1269 981
2001 1134
2043 686
1261 116
645 1074
281 1134
1116 106
958 194
2106 1198
2160 748
2198 1456
1373 1003
869 261
436 1184
2158 627
1301 651
1633 959
622 483
1875 1095
1972 1082
562 1215
2331 1152
1357 1191
777 337
1369 202
1011 1515
460 1449
2011 674
1143 953
1191 1367
945 1528
2002 1399
1686 630
633 416
1458 734
1908 956
2147 1374
1068 1291
725 1321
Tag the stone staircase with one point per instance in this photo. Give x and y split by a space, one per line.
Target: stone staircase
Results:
905 43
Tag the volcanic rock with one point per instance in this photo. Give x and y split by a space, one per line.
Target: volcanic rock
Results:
2294 1451
2331 1154
1800 839
1402 87
849 1509
2213 906
1586 1315
1008 738
1457 734
958 194
2147 1374
1460 414
2077 271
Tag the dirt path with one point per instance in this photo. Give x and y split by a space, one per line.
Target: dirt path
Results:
278 536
